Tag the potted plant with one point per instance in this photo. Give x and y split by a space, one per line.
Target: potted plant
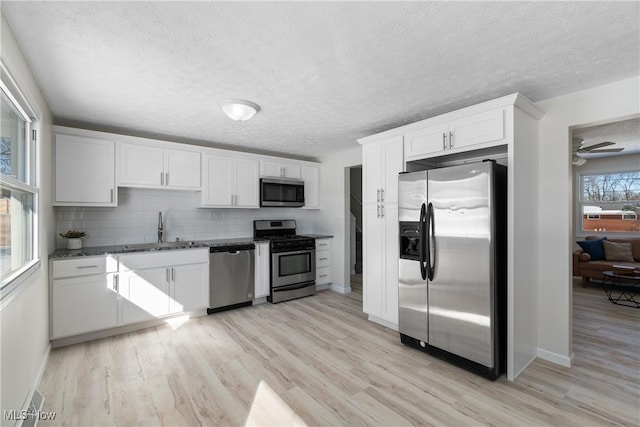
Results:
74 238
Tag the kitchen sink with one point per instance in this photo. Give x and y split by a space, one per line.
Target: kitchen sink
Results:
159 246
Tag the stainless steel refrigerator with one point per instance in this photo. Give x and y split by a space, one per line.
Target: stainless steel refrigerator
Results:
452 287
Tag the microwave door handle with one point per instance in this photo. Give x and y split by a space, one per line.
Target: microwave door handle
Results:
422 251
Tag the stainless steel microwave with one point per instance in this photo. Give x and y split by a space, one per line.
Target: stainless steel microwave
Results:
279 192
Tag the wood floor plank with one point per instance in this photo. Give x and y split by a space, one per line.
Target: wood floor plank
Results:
319 361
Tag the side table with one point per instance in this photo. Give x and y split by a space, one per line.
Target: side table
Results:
622 288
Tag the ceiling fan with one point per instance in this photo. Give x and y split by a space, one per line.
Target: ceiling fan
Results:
577 148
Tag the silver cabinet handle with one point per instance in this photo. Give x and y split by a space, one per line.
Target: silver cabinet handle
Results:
450 140
323 259
378 211
444 141
324 275
161 178
377 195
381 211
166 180
167 275
87 266
382 194
173 274
111 197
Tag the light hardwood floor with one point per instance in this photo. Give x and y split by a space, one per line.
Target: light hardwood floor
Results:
318 361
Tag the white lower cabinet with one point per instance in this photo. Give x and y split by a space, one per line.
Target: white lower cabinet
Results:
262 271
157 284
91 294
144 294
83 304
323 262
84 295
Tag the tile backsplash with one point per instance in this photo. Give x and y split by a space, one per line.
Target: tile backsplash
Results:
135 219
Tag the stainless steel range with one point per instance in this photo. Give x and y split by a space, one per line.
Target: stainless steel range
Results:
293 259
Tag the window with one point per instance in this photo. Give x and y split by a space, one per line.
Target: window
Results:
610 202
18 193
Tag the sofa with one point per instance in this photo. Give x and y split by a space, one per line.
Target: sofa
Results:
585 266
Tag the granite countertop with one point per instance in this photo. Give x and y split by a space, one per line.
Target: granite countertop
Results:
121 249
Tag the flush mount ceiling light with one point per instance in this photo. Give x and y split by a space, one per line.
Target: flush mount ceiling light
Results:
239 109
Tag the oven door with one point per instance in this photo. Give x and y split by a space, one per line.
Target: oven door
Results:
281 192
290 268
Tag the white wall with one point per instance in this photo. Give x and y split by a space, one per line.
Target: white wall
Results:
335 215
24 317
135 220
593 106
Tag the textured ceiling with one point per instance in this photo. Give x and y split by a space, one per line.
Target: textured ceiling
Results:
324 73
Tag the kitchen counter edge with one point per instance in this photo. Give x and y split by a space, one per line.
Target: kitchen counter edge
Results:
120 249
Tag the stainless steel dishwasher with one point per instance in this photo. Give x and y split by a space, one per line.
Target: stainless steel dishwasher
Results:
231 276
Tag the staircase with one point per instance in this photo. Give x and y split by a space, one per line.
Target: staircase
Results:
355 206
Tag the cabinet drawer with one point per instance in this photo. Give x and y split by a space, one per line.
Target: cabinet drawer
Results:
84 266
322 259
323 275
141 261
322 244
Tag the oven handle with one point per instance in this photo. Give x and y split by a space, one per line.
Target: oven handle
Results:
294 286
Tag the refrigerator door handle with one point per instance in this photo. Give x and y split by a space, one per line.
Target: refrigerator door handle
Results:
424 257
431 242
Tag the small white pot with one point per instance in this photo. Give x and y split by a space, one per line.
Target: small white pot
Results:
74 243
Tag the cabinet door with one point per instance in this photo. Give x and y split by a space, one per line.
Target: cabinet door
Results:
83 304
372 181
310 175
393 164
262 277
141 165
390 260
246 183
426 141
478 129
144 294
372 291
84 171
182 169
292 171
280 169
218 181
189 287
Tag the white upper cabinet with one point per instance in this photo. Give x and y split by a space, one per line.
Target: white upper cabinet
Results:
182 169
280 169
230 182
456 135
156 167
310 176
84 171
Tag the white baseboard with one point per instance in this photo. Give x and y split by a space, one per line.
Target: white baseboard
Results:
36 383
556 358
340 289
383 322
517 374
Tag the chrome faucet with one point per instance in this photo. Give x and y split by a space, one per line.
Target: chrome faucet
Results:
160 227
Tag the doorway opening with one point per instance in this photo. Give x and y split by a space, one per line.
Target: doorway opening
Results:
355 228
